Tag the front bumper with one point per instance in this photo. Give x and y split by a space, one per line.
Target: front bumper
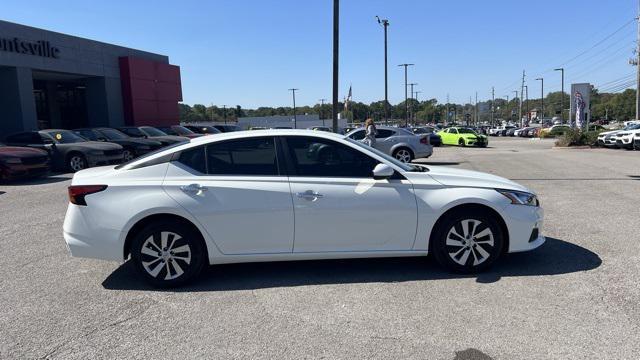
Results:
521 221
477 142
21 171
624 141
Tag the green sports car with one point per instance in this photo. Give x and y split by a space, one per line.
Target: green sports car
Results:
463 137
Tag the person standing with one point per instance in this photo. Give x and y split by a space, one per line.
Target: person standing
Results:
370 133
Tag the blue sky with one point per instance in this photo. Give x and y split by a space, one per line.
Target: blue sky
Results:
249 53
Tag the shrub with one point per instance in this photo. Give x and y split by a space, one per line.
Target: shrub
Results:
577 137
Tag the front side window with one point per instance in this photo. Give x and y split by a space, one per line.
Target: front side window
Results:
151 131
135 132
252 156
319 157
113 134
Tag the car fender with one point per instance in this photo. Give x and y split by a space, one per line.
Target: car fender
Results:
399 145
433 204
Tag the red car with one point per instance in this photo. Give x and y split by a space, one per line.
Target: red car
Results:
22 162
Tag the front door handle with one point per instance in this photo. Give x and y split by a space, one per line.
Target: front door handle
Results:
309 195
193 189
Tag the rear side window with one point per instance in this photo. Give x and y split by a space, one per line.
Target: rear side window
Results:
384 133
195 159
25 138
357 135
254 156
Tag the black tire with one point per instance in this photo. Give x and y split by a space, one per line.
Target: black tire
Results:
128 154
171 268
461 142
403 154
76 162
469 256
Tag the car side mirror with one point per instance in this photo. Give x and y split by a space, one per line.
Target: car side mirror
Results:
382 171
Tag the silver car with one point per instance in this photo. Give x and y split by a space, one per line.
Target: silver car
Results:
400 143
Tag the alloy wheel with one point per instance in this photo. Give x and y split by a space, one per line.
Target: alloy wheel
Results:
77 163
127 155
165 255
470 241
403 155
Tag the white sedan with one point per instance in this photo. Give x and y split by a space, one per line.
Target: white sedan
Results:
291 195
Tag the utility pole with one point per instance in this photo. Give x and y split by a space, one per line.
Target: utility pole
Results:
521 95
516 98
295 117
336 34
542 101
493 99
411 108
508 108
475 111
638 67
224 113
416 97
406 104
385 25
526 91
321 112
561 97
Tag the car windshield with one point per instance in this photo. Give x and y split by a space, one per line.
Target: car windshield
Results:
150 131
632 127
403 166
65 137
113 134
466 131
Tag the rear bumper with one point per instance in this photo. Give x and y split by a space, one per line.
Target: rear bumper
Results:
424 151
87 239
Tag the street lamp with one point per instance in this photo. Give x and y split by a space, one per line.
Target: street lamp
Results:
321 112
542 101
295 117
515 98
385 24
562 96
406 104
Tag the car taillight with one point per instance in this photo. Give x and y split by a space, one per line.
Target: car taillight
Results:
424 140
78 192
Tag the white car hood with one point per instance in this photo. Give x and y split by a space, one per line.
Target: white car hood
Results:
454 177
609 132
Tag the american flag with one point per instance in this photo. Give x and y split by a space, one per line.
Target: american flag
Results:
347 100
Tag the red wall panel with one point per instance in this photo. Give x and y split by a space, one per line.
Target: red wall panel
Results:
150 92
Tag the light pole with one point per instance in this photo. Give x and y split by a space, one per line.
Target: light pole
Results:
336 36
416 97
541 101
508 108
526 101
411 108
406 104
562 96
385 24
224 113
512 111
295 117
321 112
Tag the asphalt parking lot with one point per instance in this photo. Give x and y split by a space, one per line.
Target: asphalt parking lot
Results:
577 297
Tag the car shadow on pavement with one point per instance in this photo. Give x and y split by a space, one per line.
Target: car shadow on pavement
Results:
37 181
555 257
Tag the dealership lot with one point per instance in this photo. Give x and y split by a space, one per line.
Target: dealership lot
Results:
576 297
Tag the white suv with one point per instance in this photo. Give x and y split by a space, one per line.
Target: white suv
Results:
610 138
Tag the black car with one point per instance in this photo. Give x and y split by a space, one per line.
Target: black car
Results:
203 129
178 130
132 147
69 151
434 139
226 128
148 132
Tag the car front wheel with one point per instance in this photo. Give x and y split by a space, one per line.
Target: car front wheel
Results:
168 254
467 242
461 142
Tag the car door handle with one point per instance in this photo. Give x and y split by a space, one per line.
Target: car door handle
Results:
193 188
309 195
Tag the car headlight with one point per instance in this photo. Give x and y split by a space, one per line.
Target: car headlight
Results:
520 197
96 152
11 161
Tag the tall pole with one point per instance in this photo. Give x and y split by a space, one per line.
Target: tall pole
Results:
541 101
295 116
526 96
336 34
521 96
475 111
493 100
416 97
411 108
321 112
515 98
224 113
638 68
562 95
406 104
508 108
385 24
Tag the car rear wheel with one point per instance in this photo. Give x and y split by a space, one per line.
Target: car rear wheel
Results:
467 242
403 154
77 162
168 254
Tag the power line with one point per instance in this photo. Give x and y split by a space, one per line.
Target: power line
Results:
600 42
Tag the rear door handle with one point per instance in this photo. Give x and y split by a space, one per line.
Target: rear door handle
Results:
193 189
309 195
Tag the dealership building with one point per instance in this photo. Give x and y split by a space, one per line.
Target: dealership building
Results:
52 80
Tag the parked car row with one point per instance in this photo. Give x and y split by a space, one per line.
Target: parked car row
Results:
625 138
